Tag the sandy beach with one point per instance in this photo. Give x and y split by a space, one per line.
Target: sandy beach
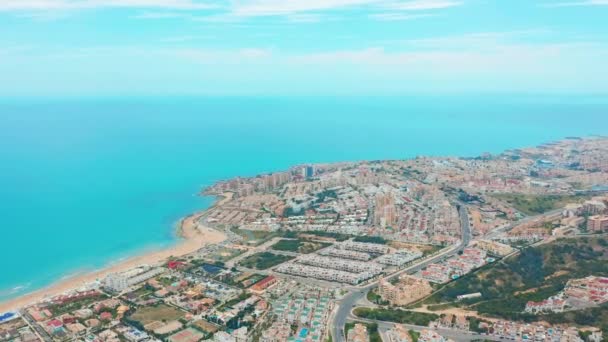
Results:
194 236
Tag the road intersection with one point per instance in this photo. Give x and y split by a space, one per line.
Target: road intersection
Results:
349 301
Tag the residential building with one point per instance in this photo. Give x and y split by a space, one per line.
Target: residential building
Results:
398 333
358 334
119 282
406 290
598 223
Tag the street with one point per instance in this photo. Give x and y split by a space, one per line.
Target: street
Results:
350 300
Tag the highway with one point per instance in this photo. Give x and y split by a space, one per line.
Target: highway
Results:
350 300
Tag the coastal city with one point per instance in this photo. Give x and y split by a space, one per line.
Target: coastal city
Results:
500 247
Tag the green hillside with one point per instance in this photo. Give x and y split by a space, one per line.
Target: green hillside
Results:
534 274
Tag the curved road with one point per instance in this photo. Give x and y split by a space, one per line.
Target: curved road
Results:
350 300
526 219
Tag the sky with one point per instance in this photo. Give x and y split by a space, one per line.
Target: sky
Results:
302 47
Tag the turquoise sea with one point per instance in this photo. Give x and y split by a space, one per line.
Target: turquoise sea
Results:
86 182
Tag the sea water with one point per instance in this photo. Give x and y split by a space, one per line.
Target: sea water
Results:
87 182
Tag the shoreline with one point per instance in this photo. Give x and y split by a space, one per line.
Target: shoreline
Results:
192 236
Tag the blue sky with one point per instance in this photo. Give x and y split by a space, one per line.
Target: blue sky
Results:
302 47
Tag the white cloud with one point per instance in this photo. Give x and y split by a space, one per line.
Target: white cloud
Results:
577 3
480 41
255 53
421 5
508 66
159 15
397 16
42 15
217 18
49 5
299 11
210 56
305 17
541 67
179 39
15 50
286 7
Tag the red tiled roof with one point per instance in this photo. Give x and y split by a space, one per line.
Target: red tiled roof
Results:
55 323
106 315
